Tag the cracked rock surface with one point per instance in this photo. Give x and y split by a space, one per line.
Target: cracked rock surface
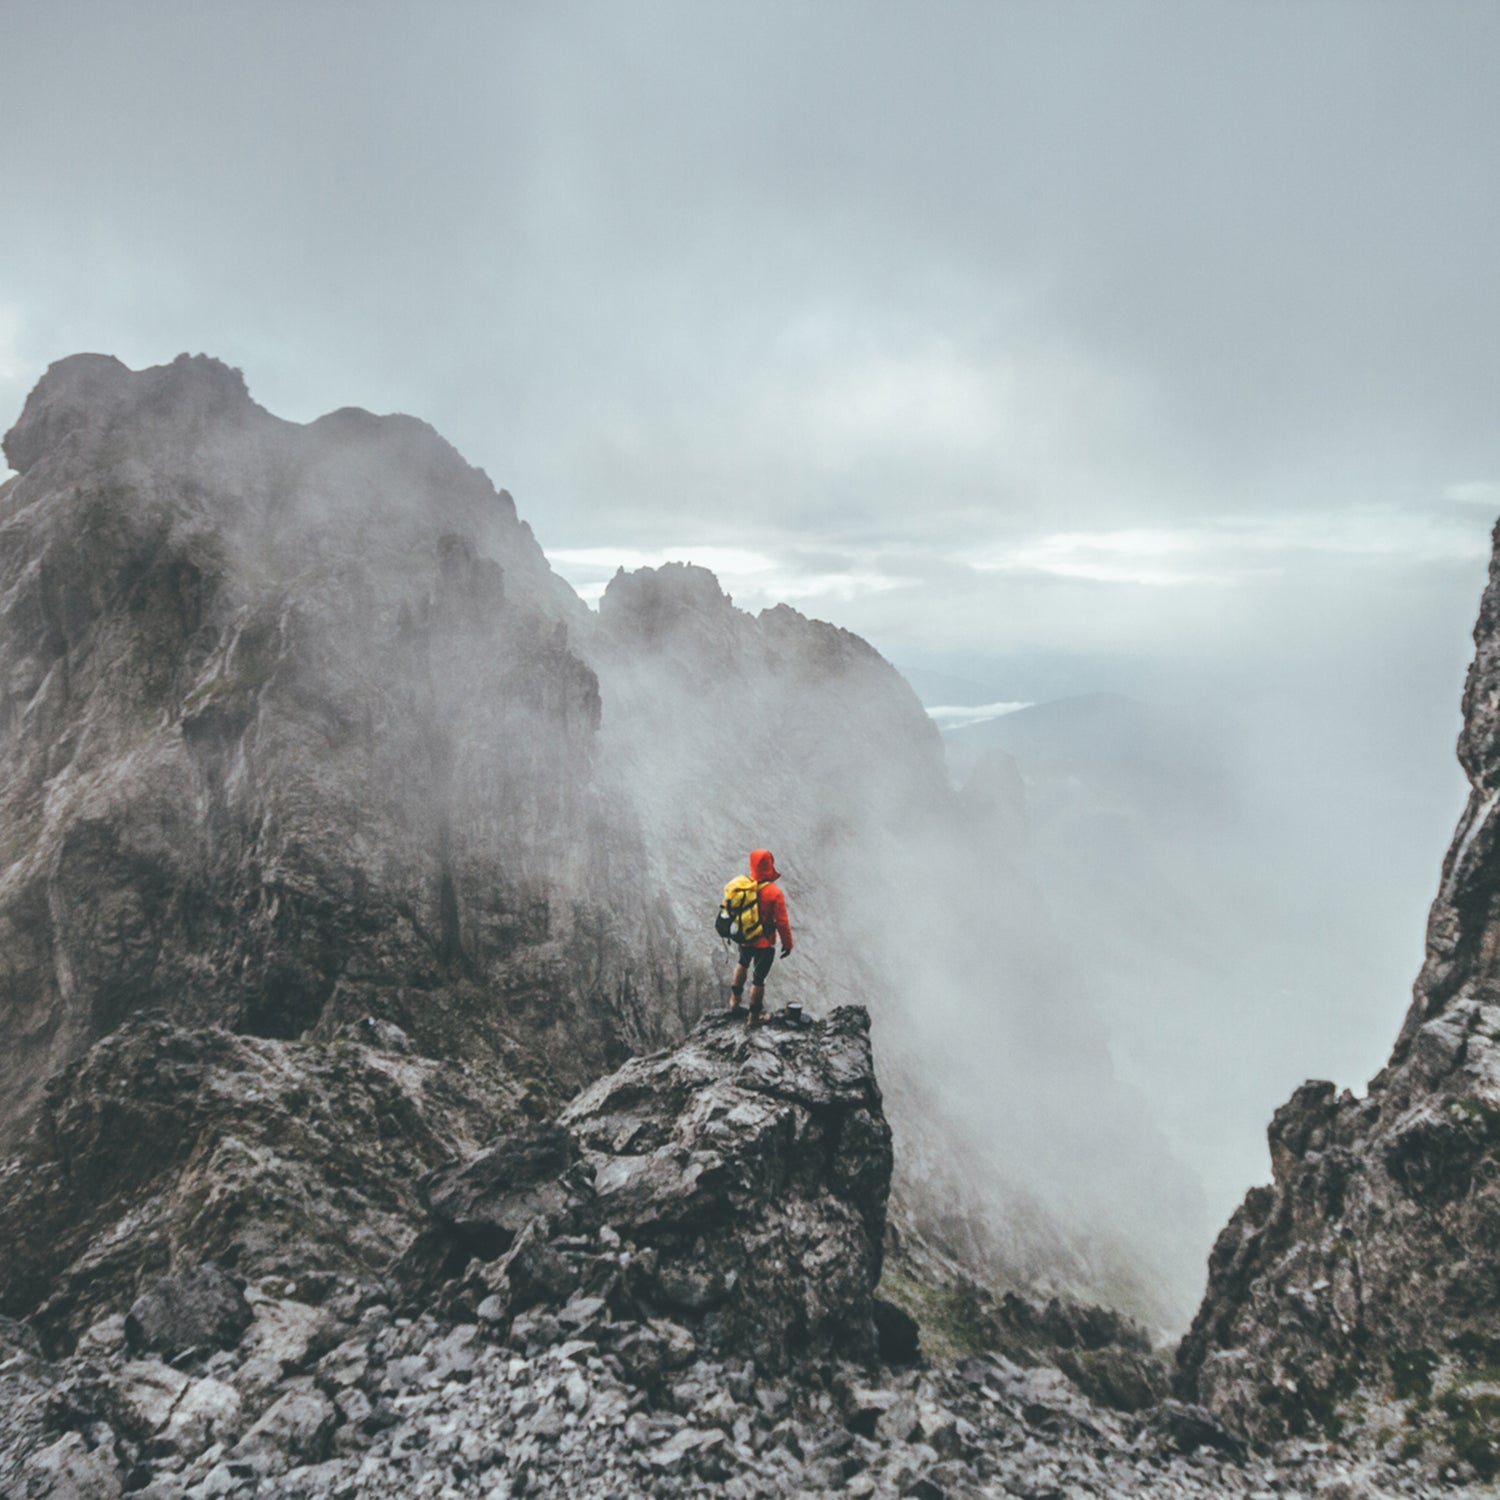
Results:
736 1184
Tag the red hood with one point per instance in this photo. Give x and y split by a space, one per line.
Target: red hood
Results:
762 866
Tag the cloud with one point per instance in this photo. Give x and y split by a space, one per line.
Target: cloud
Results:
11 362
1484 492
866 389
1152 558
700 260
1155 599
1231 550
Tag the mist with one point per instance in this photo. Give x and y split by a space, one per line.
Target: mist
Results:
1019 1149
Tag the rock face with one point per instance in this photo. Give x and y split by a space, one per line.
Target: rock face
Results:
736 1185
165 1147
1463 940
1362 1287
294 732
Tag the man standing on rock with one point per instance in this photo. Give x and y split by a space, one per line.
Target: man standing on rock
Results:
759 951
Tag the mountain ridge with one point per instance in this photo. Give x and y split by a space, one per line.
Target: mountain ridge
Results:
305 730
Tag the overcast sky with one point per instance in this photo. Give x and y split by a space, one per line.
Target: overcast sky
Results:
1063 309
1150 347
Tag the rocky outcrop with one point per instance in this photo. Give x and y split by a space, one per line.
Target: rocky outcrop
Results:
736 1185
726 1198
204 1308
1360 1290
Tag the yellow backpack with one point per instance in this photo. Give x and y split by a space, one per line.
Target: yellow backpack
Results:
739 915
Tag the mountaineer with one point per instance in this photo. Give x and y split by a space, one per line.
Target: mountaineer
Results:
753 914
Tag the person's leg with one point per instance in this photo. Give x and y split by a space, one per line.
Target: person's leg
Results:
737 984
763 957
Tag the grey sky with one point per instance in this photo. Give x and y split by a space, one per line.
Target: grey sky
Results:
1136 346
916 282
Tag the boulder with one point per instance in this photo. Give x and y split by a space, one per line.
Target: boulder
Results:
143 1396
286 1338
735 1185
896 1333
1189 1428
297 1429
489 1199
203 1308
209 1411
70 1470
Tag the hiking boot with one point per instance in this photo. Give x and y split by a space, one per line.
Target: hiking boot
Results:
756 1017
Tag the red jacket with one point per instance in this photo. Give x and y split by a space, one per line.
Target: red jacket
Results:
773 918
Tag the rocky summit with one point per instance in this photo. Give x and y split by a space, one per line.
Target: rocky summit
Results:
747 1170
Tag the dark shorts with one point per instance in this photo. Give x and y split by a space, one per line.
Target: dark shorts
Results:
758 961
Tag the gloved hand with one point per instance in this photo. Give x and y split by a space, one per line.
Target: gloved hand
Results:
786 952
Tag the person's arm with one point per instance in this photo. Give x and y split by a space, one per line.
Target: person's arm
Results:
783 923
